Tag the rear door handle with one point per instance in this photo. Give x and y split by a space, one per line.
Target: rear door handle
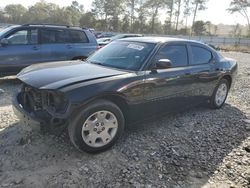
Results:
69 46
35 48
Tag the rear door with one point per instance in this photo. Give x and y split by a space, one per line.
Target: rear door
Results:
169 89
22 50
53 43
202 71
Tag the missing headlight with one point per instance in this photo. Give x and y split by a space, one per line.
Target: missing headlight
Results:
55 102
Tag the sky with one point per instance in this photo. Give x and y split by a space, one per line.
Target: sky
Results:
215 12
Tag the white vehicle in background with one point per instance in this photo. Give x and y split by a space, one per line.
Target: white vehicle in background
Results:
104 41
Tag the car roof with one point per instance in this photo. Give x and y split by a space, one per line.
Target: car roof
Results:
51 26
158 40
11 26
129 34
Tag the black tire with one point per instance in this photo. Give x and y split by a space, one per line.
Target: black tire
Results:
75 128
213 103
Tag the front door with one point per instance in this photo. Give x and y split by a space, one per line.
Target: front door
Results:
22 50
168 89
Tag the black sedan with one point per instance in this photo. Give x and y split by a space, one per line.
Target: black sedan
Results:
125 81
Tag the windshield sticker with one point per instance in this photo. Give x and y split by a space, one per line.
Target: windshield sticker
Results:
135 46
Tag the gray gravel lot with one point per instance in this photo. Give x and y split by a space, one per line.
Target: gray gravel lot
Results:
196 148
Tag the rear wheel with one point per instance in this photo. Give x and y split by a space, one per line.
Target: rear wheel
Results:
97 126
220 94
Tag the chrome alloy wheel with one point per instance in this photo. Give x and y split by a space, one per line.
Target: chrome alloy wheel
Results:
99 129
221 94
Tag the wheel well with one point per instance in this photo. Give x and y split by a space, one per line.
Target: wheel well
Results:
79 57
120 102
229 79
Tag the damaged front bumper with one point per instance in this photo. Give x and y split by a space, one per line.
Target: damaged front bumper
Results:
32 112
25 117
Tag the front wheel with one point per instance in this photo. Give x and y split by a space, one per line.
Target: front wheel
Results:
97 126
220 94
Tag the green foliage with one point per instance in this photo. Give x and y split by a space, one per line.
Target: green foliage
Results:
242 7
125 23
15 13
137 16
153 8
239 5
201 4
184 31
110 11
43 12
236 31
88 20
199 28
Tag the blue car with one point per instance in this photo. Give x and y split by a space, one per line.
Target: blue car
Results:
21 46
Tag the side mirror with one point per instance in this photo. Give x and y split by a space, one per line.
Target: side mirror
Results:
163 64
4 42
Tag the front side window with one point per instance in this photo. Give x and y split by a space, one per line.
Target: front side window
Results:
123 55
23 37
19 37
6 30
75 36
200 55
177 54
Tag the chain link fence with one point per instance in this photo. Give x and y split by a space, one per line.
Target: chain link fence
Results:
217 41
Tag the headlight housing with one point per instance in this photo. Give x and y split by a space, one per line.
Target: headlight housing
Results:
54 102
36 100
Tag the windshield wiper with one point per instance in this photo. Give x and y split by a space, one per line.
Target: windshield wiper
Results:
95 62
98 63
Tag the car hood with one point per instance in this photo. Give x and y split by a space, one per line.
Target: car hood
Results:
60 74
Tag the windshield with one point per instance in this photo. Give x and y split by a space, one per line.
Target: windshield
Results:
5 30
123 55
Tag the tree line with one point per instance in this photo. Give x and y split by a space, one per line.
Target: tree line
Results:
135 16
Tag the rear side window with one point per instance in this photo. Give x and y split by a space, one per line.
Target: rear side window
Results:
177 54
200 55
49 36
75 36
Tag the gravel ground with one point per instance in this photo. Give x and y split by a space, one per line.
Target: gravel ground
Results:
196 148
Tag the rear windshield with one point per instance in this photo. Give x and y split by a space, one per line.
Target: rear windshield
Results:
123 55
